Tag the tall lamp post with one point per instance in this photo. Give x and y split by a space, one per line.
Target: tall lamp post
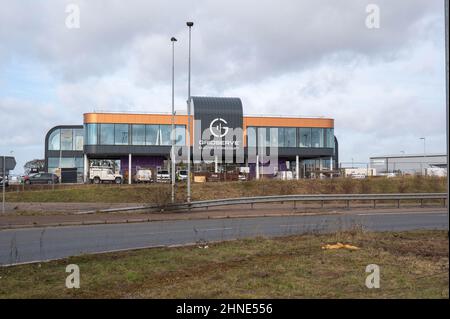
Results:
172 153
446 87
424 152
189 24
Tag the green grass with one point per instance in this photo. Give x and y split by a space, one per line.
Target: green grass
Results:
413 265
160 193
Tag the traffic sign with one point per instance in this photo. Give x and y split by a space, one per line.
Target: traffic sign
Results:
10 163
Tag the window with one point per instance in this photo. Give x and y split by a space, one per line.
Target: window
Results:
78 137
290 137
107 134
53 162
328 137
121 134
67 162
251 136
91 134
165 134
316 137
54 141
138 136
287 136
180 135
66 139
305 137
151 134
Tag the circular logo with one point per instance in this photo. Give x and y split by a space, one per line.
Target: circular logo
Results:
218 127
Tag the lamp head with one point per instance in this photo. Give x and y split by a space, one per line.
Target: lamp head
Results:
173 39
189 24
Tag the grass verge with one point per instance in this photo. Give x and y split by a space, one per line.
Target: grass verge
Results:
412 265
160 193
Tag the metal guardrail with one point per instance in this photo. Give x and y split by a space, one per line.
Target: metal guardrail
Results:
281 199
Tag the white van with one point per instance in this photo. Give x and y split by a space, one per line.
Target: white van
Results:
99 175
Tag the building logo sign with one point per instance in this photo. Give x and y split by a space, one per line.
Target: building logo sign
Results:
218 127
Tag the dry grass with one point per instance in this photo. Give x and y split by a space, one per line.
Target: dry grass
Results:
413 265
160 193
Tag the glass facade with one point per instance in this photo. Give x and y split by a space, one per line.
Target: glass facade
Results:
251 136
54 140
91 134
138 136
121 134
65 162
66 140
151 134
107 134
165 134
133 134
316 137
288 137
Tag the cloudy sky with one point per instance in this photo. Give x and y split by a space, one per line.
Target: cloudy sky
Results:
385 87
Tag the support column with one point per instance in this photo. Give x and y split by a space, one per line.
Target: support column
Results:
320 168
331 166
297 168
257 166
85 169
216 164
129 168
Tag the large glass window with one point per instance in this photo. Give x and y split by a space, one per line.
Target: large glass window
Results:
138 137
251 136
286 136
305 137
328 137
290 137
151 134
107 134
316 137
54 140
121 134
78 137
66 139
91 134
180 135
165 134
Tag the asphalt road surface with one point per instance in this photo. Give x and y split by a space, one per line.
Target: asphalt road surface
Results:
40 244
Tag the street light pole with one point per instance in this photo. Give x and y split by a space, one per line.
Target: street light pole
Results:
424 152
189 24
446 8
172 153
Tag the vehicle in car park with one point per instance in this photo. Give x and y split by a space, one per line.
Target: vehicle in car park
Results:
99 175
41 178
182 175
143 176
242 177
163 176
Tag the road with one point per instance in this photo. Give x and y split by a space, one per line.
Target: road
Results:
46 243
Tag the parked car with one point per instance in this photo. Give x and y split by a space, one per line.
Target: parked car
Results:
242 177
41 178
163 176
143 176
182 175
99 175
358 176
6 181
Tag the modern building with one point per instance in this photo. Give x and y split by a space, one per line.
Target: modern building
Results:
302 145
408 163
